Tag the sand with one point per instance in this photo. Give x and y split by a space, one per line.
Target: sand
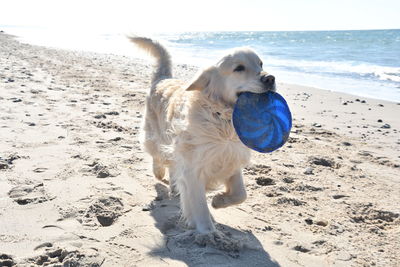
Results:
76 188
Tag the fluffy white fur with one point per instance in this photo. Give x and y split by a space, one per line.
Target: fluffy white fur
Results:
188 129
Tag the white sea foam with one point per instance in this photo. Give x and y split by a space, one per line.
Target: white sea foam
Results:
340 67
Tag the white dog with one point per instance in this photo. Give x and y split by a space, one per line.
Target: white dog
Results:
188 129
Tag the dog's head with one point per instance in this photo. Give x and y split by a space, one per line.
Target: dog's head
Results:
237 72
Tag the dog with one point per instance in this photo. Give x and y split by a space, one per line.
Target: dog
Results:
188 129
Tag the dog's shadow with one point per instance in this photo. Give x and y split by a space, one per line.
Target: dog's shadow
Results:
180 243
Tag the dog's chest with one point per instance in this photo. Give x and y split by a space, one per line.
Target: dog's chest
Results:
216 146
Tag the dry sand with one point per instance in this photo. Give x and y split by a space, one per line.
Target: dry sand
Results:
76 189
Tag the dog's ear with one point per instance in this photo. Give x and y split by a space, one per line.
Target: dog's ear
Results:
202 80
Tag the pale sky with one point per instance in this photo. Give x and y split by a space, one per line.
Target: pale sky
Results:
201 15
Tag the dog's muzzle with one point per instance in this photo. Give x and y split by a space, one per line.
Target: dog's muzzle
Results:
268 81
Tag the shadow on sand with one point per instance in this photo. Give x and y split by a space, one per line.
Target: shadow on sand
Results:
179 243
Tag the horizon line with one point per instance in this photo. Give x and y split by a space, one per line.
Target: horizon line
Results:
217 30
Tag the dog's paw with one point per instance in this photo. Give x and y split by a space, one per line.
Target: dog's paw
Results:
186 223
218 240
223 200
159 171
219 201
173 190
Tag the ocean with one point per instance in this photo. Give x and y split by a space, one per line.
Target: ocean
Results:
363 63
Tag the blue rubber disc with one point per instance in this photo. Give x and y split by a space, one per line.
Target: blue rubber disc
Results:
262 121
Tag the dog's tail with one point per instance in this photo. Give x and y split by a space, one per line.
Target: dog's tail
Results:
163 68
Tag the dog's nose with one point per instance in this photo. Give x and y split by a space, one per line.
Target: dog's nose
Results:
268 80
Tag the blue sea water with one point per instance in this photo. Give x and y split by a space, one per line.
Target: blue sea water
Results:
364 63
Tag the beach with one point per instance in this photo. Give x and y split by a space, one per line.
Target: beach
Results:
77 189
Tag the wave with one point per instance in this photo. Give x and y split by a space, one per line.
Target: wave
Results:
346 68
333 53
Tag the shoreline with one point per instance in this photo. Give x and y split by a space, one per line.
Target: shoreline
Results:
356 81
76 187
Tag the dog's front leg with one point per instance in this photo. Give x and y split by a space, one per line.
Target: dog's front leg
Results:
235 192
194 202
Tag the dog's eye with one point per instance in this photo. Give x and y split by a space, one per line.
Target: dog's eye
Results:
239 68
261 64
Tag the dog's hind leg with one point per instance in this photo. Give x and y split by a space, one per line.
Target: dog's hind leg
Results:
158 164
158 168
173 173
235 192
151 145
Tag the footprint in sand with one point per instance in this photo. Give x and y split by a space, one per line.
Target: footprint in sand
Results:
56 256
6 162
6 260
325 162
101 170
368 214
257 169
29 194
103 211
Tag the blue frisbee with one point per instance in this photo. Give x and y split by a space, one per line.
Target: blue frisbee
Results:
262 121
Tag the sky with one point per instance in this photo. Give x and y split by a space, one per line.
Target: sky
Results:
201 15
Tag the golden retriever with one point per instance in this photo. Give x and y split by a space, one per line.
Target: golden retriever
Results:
188 129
